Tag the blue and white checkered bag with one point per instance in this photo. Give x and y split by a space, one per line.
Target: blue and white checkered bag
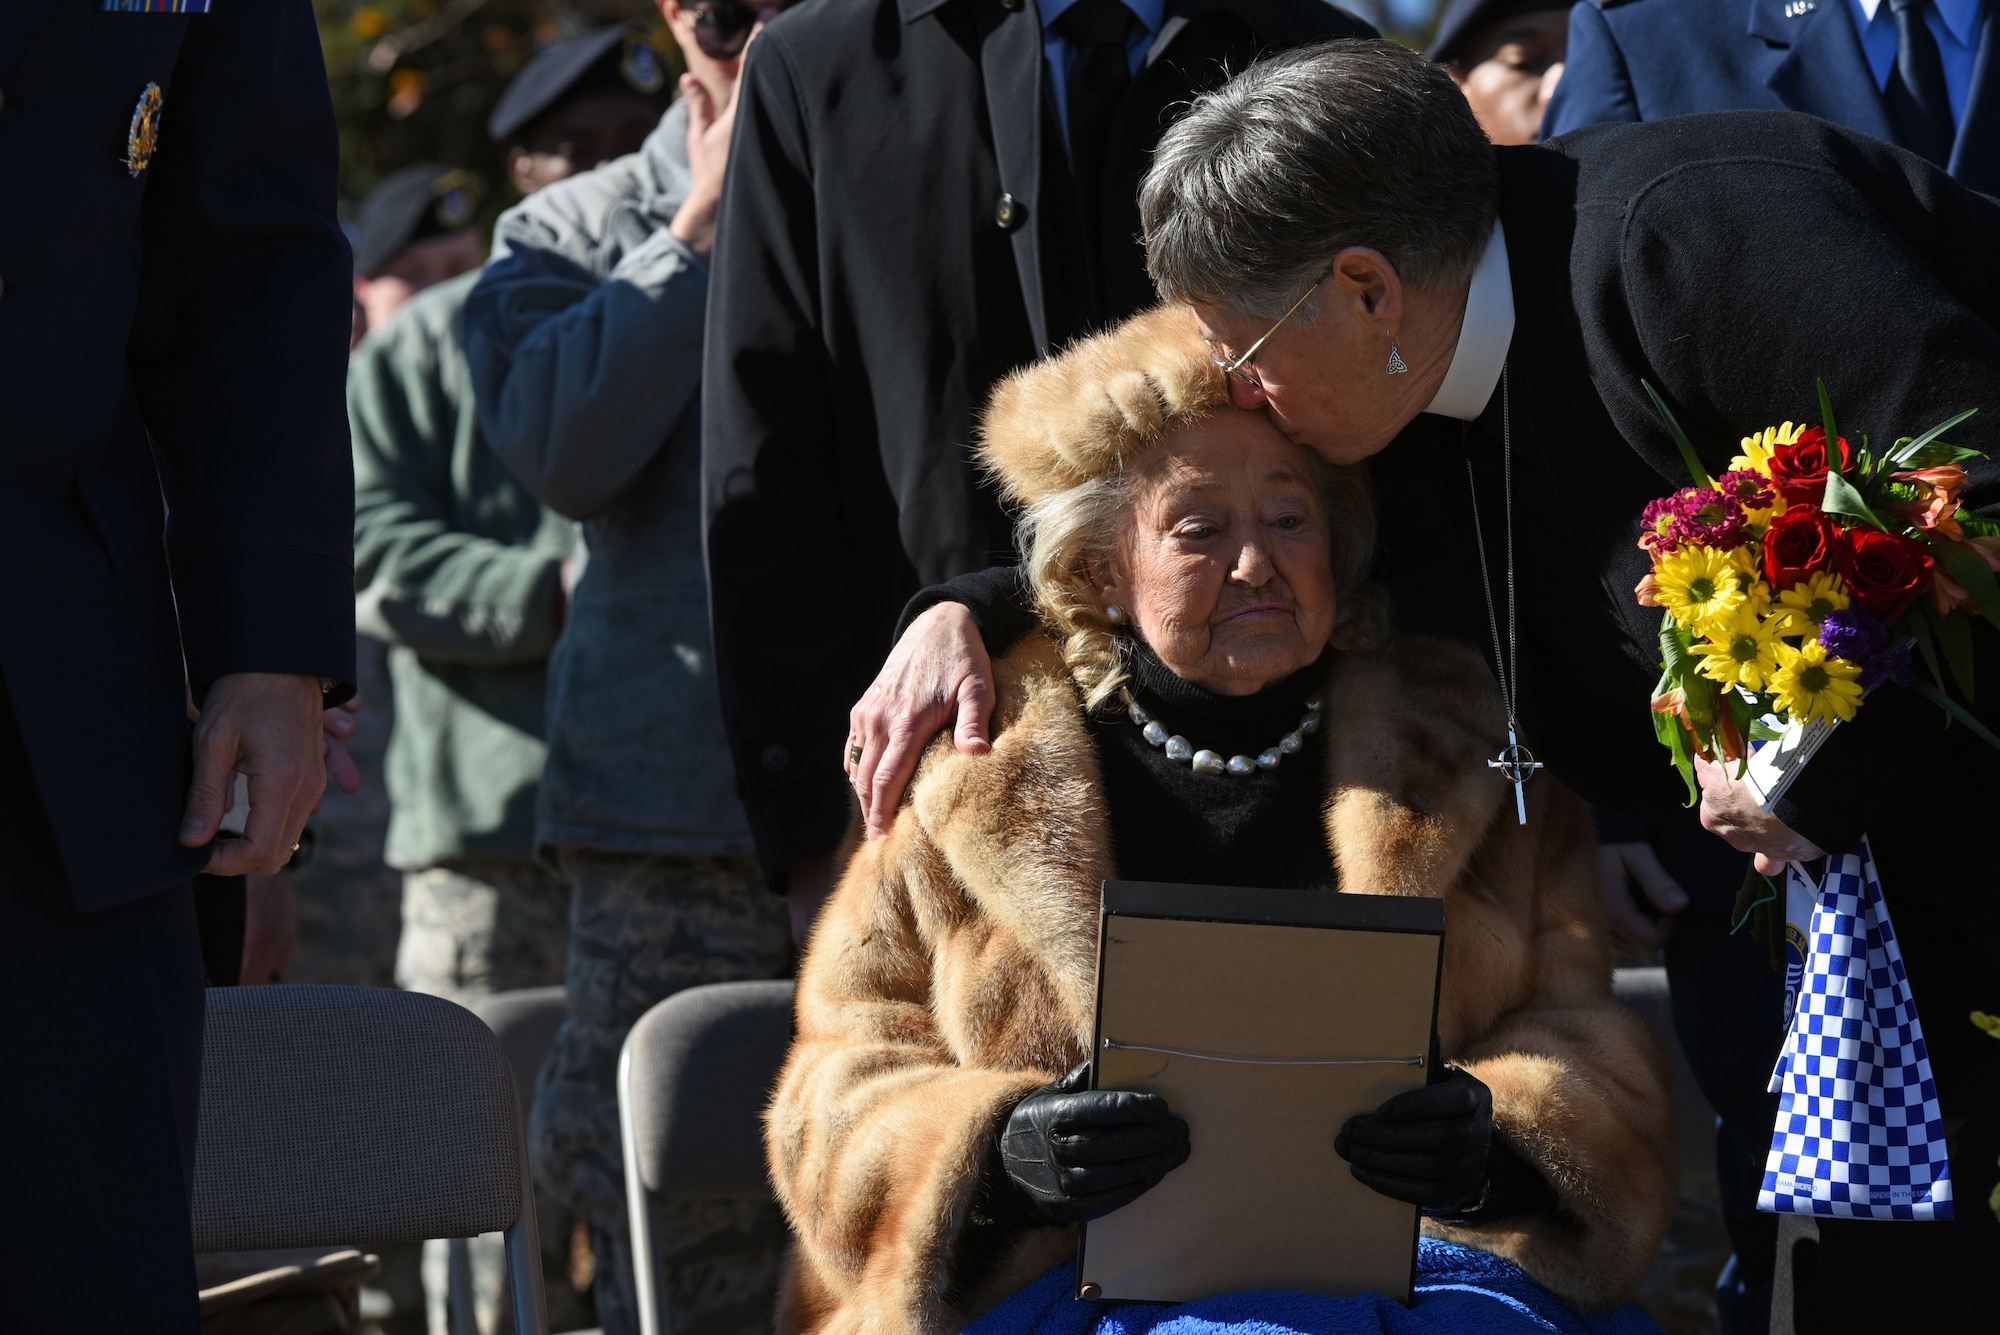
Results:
1859 1135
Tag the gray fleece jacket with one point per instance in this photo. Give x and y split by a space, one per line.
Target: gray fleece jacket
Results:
584 336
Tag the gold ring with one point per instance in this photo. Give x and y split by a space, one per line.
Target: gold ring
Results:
854 754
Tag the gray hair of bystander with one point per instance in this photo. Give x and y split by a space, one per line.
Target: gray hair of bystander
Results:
1346 143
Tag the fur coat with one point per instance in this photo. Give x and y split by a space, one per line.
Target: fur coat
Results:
954 972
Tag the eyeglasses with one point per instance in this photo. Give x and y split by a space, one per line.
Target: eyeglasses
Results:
722 27
1235 367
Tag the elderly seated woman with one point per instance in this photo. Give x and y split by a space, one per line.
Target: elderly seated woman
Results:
931 1139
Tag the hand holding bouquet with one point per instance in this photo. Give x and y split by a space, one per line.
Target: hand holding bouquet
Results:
1807 575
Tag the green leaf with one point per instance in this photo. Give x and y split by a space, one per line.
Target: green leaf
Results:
1954 637
1971 571
1669 730
1842 499
1957 711
1910 449
1688 456
1742 714
1699 692
1826 420
1676 648
1919 621
1761 731
1977 527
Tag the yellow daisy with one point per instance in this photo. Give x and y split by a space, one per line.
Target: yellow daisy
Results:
1811 685
1758 448
1809 602
1744 652
1700 586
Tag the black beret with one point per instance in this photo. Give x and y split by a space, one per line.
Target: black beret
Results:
611 59
1461 16
417 202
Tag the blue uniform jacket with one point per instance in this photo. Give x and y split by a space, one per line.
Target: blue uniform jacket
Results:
1648 59
176 493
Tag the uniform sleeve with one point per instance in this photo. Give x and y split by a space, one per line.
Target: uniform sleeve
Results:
1903 340
1596 86
239 347
791 648
451 596
579 375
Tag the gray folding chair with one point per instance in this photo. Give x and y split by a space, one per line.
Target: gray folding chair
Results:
525 1021
335 1113
693 1079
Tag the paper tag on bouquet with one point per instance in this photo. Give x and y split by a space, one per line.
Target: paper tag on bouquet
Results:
1775 762
1859 1132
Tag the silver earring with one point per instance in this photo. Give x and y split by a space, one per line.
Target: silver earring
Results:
1114 614
1396 364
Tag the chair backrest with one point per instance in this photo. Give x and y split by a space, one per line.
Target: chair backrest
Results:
335 1113
697 1071
525 1021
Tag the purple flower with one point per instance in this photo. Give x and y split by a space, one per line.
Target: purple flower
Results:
1853 633
1891 666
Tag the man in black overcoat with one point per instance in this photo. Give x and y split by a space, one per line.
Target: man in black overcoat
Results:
922 195
1731 260
176 517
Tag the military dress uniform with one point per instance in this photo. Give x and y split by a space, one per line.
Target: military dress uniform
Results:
176 505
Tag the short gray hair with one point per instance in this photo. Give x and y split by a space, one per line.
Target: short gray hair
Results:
1338 144
1060 534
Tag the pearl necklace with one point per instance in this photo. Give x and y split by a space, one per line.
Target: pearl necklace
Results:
1211 762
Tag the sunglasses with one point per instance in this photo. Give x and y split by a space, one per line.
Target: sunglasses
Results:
722 28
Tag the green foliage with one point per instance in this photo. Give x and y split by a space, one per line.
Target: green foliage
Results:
414 80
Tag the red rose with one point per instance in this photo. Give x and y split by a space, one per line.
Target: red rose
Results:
1884 571
1798 542
1798 470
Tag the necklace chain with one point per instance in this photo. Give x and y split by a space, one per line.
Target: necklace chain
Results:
1179 748
1504 666
1516 763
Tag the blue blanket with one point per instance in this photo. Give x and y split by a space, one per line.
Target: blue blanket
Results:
1459 1292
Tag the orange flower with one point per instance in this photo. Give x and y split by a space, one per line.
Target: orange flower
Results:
1947 594
1648 587
1936 500
1674 702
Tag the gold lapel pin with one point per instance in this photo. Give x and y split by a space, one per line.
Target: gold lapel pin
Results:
143 139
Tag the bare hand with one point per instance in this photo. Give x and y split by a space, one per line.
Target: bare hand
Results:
270 927
808 882
338 728
709 128
1729 809
937 676
1619 868
269 727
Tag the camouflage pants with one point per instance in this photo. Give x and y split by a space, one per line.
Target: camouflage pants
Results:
643 927
477 927
473 928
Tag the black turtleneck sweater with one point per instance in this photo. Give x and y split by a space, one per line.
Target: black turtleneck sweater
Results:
1170 824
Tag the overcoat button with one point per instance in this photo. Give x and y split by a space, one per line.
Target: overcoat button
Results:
1007 214
1010 4
776 757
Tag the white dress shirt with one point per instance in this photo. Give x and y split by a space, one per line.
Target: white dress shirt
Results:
1060 55
1955 23
1483 337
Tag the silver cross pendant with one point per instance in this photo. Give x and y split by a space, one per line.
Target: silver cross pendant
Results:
1517 765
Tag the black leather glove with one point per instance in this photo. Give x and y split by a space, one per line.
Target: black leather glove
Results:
1068 1153
1427 1146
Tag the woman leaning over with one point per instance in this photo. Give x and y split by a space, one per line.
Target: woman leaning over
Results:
928 1148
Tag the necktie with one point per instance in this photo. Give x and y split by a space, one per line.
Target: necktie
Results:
1919 107
1098 31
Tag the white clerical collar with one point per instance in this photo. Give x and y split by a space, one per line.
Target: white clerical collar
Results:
1482 339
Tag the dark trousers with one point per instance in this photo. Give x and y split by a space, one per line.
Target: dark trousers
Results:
1868 1276
97 1110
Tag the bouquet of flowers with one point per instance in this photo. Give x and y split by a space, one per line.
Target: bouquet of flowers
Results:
1807 575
